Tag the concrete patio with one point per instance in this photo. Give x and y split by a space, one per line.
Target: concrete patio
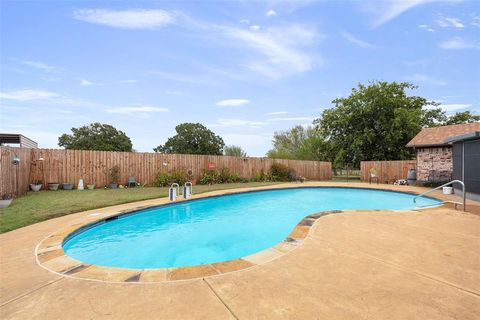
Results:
352 265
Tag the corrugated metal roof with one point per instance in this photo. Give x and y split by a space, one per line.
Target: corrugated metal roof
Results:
15 138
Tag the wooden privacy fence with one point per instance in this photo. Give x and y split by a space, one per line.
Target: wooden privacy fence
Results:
387 171
14 179
93 166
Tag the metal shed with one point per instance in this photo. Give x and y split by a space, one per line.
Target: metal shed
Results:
17 139
466 162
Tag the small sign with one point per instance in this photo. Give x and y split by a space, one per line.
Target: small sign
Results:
212 166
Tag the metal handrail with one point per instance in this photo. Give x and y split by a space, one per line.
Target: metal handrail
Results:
177 186
188 183
444 185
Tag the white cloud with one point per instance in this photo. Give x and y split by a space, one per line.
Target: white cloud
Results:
425 79
28 95
40 65
85 82
233 102
128 81
452 107
175 93
137 109
51 79
386 11
450 22
271 13
127 19
281 50
290 119
458 43
245 21
426 27
276 113
237 123
255 28
187 78
475 21
46 99
351 38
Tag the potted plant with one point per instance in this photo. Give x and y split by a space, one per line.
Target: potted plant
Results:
36 185
53 186
91 185
5 200
67 186
114 177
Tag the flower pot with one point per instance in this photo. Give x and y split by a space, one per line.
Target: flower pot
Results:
53 186
113 185
5 203
35 187
90 186
67 186
447 190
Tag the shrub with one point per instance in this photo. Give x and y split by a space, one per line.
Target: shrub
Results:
114 174
222 176
179 177
429 184
281 172
164 179
261 176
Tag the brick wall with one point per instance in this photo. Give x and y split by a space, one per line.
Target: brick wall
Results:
434 164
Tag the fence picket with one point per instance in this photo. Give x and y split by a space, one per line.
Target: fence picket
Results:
92 166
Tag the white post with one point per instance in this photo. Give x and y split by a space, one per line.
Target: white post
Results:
80 185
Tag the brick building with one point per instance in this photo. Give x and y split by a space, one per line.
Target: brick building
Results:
434 154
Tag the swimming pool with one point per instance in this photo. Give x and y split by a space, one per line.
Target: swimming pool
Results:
219 228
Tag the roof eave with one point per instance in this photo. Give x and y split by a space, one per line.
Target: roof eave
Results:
428 145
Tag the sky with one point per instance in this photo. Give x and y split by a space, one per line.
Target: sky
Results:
244 69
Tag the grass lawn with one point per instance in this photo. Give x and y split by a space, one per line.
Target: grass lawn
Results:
39 206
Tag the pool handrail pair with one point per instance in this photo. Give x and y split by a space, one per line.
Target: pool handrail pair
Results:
444 185
175 186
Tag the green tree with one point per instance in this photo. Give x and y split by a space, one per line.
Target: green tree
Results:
462 117
234 151
299 142
96 136
433 117
375 122
192 138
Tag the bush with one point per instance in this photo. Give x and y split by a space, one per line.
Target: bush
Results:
222 176
166 179
429 184
114 174
281 172
261 176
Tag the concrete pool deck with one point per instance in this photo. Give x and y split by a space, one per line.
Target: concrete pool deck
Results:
354 264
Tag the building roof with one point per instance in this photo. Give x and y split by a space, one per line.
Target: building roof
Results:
15 138
432 137
464 137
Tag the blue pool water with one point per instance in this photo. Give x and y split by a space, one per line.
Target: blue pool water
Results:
217 229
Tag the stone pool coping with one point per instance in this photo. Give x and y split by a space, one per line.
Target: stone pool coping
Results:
50 255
